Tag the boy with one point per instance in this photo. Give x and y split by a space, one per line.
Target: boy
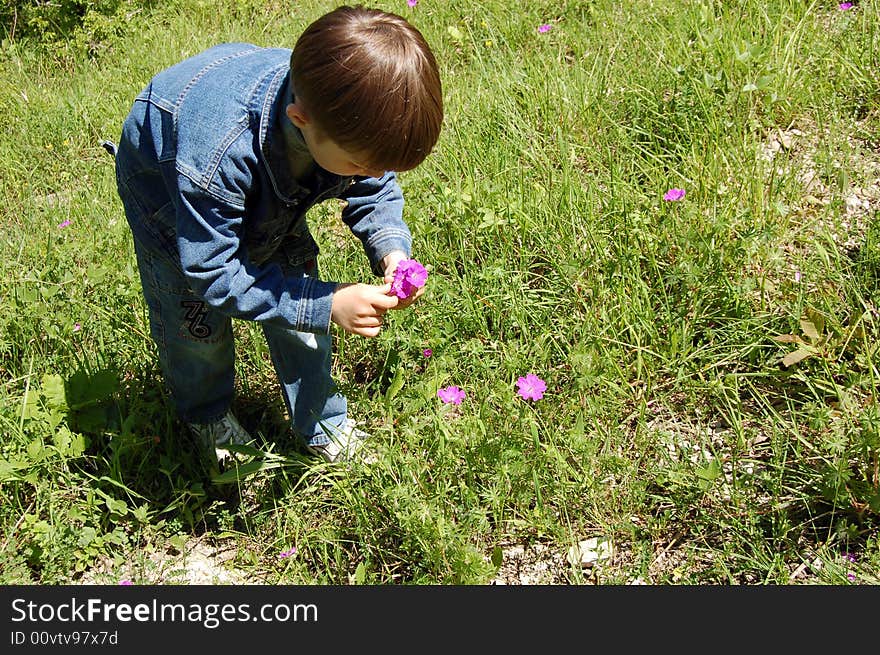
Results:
220 158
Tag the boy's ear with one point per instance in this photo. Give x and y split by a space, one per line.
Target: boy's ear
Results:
297 115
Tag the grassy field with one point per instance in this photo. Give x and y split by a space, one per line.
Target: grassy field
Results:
711 362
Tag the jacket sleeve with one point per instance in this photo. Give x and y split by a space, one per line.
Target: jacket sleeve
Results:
374 213
218 269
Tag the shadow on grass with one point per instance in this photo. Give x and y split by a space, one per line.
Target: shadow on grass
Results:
147 466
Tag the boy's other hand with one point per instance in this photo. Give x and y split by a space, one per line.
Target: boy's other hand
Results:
390 262
359 308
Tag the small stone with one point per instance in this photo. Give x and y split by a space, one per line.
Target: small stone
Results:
589 551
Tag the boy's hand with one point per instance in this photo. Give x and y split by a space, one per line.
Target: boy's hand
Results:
390 262
358 308
389 265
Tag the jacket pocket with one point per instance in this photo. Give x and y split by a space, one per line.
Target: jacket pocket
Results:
153 227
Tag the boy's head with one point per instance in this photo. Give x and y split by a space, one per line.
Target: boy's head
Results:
368 81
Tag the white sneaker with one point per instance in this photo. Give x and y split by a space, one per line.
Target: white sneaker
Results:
226 430
346 443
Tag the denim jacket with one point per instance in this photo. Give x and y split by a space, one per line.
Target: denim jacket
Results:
203 170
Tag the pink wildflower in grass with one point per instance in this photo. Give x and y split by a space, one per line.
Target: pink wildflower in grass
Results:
850 558
531 387
546 27
287 553
64 223
797 276
427 352
126 583
451 395
674 195
843 6
409 276
412 3
77 327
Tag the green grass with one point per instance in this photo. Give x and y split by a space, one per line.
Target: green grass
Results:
671 425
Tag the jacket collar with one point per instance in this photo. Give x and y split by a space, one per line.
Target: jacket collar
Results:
283 147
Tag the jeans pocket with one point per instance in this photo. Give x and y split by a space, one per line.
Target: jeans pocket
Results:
162 273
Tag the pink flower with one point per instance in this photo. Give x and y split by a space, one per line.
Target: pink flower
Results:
412 3
545 28
451 394
427 352
843 6
287 553
126 583
531 387
65 223
408 276
797 276
77 327
674 195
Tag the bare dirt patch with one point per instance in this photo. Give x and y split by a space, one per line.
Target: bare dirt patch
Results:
197 563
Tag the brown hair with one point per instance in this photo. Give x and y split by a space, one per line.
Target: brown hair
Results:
370 83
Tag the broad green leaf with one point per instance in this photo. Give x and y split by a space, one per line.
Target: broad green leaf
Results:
53 390
497 557
360 573
36 450
141 513
764 81
455 33
395 386
706 475
77 445
117 506
178 541
87 535
61 440
8 469
87 388
49 291
90 419
31 408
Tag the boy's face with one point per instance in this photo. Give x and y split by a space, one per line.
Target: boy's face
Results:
326 153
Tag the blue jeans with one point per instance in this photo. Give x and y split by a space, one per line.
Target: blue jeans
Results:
197 354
